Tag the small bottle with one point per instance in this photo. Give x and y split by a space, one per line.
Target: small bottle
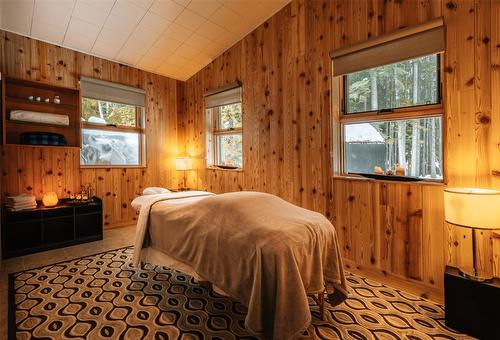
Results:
57 100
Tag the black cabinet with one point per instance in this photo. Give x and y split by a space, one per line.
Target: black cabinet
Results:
31 231
472 307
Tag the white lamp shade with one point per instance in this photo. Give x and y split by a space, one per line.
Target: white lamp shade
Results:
183 163
474 208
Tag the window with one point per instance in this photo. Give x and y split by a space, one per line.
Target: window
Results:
391 113
409 89
414 144
112 125
224 128
409 83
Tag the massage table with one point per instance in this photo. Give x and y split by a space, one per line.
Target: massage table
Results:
255 247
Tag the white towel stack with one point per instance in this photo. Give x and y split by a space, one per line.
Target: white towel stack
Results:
20 202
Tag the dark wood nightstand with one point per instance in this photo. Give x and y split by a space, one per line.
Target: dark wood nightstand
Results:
30 231
472 307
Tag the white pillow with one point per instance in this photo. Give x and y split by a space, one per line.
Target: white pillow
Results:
155 191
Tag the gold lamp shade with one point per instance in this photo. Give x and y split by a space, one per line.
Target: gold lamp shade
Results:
473 208
50 199
183 163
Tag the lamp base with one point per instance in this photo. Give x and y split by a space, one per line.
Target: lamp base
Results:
474 276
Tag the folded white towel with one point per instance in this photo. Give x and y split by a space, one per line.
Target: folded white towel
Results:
19 209
15 205
22 198
39 117
20 204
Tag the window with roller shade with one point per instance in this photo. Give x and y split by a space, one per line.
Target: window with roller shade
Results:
224 137
391 109
112 124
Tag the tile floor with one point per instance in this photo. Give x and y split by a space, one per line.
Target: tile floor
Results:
113 238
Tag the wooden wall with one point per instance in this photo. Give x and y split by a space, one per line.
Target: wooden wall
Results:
289 101
37 170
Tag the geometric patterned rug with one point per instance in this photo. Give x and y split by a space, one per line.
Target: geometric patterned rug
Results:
102 297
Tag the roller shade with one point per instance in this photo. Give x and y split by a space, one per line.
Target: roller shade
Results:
408 43
108 91
224 95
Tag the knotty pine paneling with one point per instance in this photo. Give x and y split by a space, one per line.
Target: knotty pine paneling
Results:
395 229
37 169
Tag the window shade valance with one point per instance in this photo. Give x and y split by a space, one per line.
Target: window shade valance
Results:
408 43
105 90
225 95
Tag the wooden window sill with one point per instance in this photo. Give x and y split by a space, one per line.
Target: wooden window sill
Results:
113 166
361 178
222 169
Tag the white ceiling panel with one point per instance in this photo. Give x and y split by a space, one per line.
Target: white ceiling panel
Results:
106 49
183 3
112 37
54 12
178 32
16 15
210 30
197 41
91 12
241 7
129 56
190 19
203 7
78 42
154 22
142 3
175 38
167 42
80 35
143 38
167 9
158 53
225 17
103 5
187 51
78 27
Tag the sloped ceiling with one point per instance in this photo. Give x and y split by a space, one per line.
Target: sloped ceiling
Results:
175 38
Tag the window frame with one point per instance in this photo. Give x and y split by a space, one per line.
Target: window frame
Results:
215 131
410 112
140 114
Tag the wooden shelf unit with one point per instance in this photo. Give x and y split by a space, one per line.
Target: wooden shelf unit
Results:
15 93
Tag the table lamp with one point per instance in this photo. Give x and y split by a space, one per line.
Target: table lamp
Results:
183 164
476 209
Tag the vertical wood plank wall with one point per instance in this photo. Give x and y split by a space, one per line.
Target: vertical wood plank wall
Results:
393 229
37 170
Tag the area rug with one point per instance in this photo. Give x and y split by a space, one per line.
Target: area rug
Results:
103 297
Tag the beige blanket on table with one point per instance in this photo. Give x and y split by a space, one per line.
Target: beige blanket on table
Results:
265 252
